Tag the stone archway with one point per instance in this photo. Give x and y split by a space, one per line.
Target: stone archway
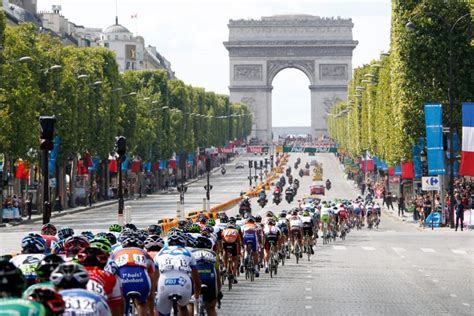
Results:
259 49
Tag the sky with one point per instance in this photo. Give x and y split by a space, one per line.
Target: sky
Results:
190 33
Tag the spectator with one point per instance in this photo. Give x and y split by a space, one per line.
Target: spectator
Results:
426 208
29 206
388 200
459 207
384 197
401 205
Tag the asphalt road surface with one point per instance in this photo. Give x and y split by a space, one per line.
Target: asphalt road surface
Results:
398 269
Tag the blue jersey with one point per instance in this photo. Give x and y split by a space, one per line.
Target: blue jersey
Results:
81 302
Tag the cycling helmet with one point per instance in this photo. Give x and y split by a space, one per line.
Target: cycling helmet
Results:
111 237
246 215
238 217
142 234
154 229
258 219
176 238
182 223
271 221
269 214
32 244
294 212
124 234
195 228
190 241
74 244
209 228
50 299
283 214
132 241
49 229
65 232
203 242
88 234
102 243
211 222
131 226
12 280
230 225
232 220
94 257
57 247
70 276
116 228
154 243
305 213
223 217
47 265
251 220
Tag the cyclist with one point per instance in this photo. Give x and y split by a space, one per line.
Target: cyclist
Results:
231 246
43 271
154 229
283 226
12 284
153 245
296 231
208 269
343 215
272 235
308 226
135 267
249 233
261 236
175 266
71 280
75 244
102 282
48 232
33 249
50 299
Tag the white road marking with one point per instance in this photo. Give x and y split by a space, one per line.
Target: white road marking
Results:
308 297
308 289
435 281
453 295
308 307
466 304
421 270
339 247
368 248
427 275
427 250
398 249
459 251
308 282
390 231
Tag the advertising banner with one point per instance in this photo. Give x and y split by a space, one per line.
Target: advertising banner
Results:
434 139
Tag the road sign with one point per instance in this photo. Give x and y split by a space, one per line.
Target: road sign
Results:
430 183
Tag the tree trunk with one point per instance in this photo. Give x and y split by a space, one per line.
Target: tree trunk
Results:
72 184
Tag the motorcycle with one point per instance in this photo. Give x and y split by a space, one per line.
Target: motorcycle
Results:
282 181
289 197
243 208
262 202
276 198
306 166
223 170
328 185
301 173
290 179
288 172
296 184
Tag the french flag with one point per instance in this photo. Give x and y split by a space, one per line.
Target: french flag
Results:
467 161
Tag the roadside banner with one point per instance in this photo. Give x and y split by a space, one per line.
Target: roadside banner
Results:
467 160
434 139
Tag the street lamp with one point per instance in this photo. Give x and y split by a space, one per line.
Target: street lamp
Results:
46 144
121 149
410 26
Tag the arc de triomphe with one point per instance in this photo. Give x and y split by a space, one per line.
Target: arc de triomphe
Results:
260 49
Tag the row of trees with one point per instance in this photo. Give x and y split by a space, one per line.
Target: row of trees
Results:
93 103
384 111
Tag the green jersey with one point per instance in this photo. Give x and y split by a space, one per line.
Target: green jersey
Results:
21 307
29 290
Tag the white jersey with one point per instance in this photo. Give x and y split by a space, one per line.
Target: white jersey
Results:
85 303
306 219
271 230
295 222
175 258
325 211
27 263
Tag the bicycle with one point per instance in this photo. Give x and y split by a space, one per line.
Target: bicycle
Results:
249 268
174 298
307 246
325 234
130 306
230 275
199 306
273 264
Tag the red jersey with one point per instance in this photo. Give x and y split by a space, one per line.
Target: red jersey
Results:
105 284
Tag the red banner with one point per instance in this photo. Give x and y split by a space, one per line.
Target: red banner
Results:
136 166
113 165
255 149
407 170
391 171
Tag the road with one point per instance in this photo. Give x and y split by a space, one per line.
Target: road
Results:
398 269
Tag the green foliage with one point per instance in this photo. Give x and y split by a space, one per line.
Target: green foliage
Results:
388 115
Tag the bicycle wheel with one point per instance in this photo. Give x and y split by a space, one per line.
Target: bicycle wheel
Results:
270 263
297 253
283 256
308 249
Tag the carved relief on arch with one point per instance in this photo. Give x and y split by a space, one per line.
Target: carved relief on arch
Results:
275 66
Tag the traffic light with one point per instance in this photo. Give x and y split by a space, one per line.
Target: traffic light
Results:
47 132
120 145
261 164
250 164
255 164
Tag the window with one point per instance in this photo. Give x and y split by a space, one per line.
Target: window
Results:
116 37
106 44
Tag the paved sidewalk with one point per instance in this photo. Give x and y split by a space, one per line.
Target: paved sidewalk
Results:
39 217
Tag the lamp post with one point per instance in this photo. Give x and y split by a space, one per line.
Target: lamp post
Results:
46 144
411 26
250 172
121 149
